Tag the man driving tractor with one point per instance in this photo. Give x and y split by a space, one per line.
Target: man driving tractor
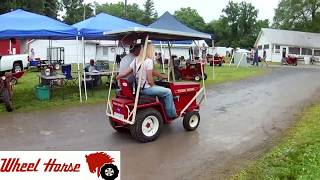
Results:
147 82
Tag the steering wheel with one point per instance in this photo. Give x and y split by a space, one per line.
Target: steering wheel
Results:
162 82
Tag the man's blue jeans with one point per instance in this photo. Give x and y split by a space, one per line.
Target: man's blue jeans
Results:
165 95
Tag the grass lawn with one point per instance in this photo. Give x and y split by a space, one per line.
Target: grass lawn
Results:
25 99
297 157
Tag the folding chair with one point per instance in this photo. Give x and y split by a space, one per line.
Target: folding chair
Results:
66 70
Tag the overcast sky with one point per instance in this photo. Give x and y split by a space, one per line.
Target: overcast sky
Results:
208 9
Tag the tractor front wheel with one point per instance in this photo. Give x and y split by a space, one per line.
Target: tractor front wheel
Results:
197 78
147 126
191 120
14 81
7 99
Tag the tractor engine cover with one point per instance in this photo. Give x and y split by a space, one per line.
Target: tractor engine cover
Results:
183 92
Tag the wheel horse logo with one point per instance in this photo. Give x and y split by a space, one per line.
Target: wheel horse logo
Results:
101 163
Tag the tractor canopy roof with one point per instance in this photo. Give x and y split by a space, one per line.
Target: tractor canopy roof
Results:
156 34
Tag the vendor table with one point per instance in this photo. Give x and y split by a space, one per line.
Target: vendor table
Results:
101 73
51 79
98 74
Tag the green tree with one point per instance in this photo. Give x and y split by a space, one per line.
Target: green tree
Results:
191 18
237 26
300 15
117 9
33 6
149 13
75 10
51 8
45 7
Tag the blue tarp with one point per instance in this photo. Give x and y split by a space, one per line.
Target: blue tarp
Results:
23 24
169 22
94 27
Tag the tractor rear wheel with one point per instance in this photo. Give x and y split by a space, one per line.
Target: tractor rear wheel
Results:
147 126
191 120
116 127
7 99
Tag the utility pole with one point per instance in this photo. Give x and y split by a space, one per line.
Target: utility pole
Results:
84 11
125 9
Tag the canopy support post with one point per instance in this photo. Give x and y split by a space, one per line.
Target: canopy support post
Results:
171 64
242 57
84 72
212 59
162 58
78 67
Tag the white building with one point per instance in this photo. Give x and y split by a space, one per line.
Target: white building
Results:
98 50
279 43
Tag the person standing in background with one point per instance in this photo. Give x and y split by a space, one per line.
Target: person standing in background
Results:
32 55
256 56
204 51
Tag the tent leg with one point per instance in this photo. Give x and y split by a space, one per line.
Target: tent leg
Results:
242 57
78 68
84 72
162 58
171 64
212 60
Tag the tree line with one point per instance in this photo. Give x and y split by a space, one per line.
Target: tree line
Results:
238 25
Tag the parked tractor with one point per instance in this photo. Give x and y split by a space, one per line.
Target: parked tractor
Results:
6 91
191 71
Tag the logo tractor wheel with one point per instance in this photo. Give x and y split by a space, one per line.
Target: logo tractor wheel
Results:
109 172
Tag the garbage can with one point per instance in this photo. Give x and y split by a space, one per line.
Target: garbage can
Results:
42 92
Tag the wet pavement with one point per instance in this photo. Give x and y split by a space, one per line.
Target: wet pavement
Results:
238 117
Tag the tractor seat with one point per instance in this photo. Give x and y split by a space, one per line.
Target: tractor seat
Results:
126 91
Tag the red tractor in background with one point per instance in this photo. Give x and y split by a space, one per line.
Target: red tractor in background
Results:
216 60
191 71
290 61
6 91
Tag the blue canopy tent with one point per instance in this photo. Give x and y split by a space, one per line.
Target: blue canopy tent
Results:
22 24
94 28
169 22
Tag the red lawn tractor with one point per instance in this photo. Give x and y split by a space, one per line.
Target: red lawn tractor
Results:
144 116
216 60
290 61
191 71
151 115
6 91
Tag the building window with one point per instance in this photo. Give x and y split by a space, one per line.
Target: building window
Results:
317 52
294 50
306 51
260 47
277 49
105 51
266 46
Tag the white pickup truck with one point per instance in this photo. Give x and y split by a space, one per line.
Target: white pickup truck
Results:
14 63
